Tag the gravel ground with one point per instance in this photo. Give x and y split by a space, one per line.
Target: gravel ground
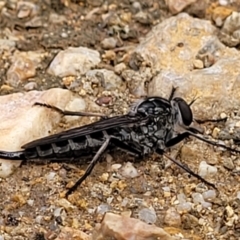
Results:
32 201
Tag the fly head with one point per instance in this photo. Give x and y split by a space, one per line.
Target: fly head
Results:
184 110
183 123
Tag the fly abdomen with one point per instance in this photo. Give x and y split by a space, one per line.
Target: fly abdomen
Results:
45 151
61 147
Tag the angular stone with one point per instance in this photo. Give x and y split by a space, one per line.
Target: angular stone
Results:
124 228
68 233
173 46
74 61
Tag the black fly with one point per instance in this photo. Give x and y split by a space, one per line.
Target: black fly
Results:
153 124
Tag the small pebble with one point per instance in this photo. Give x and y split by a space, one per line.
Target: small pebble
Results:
181 198
148 215
57 212
215 132
166 192
124 202
38 219
129 171
119 68
109 43
51 176
104 177
103 100
209 195
30 86
184 207
30 202
198 64
223 115
238 195
206 169
228 163
116 166
237 124
223 2
137 5
65 204
103 208
64 35
198 198
172 218
230 211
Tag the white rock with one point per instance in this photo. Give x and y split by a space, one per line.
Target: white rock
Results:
129 171
74 61
21 122
206 170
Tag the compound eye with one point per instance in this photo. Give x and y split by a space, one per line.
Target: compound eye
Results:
185 110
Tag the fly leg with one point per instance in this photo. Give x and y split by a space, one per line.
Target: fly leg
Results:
172 93
126 148
199 121
213 143
91 165
186 168
70 113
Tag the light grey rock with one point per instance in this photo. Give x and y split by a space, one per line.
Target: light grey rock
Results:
21 122
172 48
30 86
103 208
74 62
109 43
148 215
198 198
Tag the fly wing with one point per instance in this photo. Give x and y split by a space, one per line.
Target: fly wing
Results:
101 125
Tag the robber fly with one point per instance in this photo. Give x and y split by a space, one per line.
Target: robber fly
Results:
153 124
